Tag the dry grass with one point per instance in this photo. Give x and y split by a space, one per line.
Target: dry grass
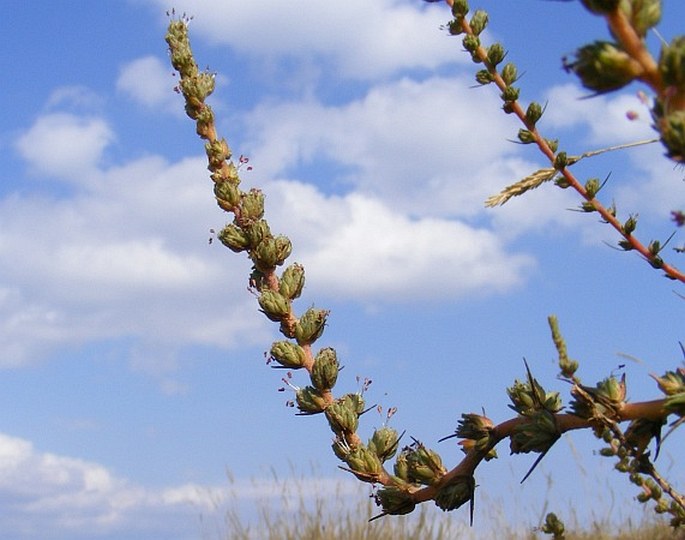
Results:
306 509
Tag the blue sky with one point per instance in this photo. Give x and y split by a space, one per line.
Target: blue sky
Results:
132 370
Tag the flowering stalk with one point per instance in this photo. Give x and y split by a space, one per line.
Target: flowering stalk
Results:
419 473
592 67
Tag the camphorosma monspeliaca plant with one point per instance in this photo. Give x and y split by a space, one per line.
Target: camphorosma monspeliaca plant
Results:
419 474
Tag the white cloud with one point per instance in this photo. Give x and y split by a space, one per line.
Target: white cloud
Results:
148 81
388 35
359 247
55 496
436 147
126 255
74 97
605 116
65 145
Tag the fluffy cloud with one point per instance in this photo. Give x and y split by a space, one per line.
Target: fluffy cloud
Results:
388 35
359 247
65 145
148 81
125 255
605 116
52 496
436 147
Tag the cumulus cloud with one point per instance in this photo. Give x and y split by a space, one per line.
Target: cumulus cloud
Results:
56 496
388 35
435 147
65 145
605 117
148 81
126 255
359 247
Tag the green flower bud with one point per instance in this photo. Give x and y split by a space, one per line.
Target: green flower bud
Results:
271 252
454 27
474 426
227 193
217 152
509 73
341 449
309 400
454 495
471 44
672 128
630 225
525 136
671 382
560 161
536 435
310 326
196 88
562 182
274 305
676 404
592 187
342 418
672 63
288 354
292 281
603 67
553 144
384 443
533 113
393 500
257 231
355 402
325 370
642 15
424 465
613 389
401 467
510 94
234 238
364 464
252 205
553 525
460 8
496 54
483 77
479 21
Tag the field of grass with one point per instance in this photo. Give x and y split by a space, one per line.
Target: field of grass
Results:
300 510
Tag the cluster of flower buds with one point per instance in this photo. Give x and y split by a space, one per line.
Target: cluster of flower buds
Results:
417 464
310 326
384 442
455 494
537 434
540 431
672 383
395 501
601 403
530 397
324 372
310 400
606 66
364 463
475 430
343 415
669 109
